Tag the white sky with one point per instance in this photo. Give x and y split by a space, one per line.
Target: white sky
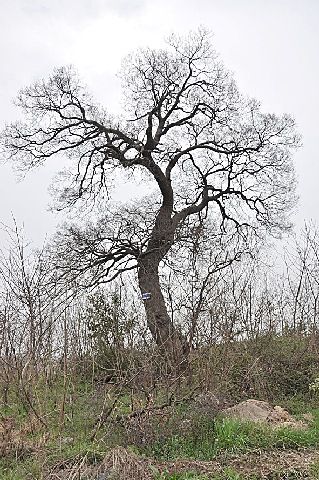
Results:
270 45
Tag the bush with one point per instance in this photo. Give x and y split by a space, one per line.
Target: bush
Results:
268 368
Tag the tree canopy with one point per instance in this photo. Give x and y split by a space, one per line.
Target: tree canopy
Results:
210 152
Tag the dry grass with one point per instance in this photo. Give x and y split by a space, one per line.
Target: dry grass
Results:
260 464
125 465
15 439
119 464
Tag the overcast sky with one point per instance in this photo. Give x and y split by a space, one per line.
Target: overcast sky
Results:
270 45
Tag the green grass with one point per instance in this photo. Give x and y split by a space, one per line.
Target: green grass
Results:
11 469
203 439
208 438
299 403
81 412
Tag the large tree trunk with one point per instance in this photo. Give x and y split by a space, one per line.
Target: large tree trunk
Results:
161 239
159 322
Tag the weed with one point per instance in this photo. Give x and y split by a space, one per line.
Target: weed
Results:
227 474
208 438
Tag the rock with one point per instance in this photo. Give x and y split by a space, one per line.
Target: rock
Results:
262 412
279 414
253 410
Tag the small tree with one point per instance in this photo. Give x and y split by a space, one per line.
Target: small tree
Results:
209 151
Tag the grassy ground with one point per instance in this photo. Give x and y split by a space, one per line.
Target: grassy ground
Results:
29 448
52 426
211 438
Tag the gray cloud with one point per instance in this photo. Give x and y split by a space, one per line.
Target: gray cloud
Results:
80 10
271 47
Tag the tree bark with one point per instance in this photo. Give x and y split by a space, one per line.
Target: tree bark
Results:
158 320
161 239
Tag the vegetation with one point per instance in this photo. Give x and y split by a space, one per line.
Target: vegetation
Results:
216 162
66 420
130 379
82 377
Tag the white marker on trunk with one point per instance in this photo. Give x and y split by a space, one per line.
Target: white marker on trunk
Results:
146 296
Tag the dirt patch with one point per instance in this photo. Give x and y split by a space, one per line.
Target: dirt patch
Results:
261 464
262 412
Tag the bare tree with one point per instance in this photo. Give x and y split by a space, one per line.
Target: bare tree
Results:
208 150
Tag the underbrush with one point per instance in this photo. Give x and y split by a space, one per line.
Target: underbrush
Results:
269 367
233 475
194 438
226 475
54 424
205 439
